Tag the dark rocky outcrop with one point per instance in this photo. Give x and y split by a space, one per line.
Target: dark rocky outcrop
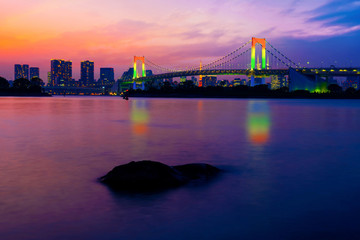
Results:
145 175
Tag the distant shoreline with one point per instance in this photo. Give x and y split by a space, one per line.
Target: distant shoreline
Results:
240 97
22 94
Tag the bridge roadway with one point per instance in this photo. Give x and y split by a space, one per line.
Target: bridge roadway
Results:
322 72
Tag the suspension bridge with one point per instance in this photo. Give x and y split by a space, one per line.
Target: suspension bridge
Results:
244 60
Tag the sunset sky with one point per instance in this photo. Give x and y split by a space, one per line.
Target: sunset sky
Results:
173 32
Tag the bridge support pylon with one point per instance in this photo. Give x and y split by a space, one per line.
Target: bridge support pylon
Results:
142 59
262 42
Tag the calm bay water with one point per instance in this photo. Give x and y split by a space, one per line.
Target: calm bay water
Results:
292 168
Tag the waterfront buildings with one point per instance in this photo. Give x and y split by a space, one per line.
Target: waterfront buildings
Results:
21 71
278 81
61 72
34 72
106 75
239 82
87 72
351 81
209 81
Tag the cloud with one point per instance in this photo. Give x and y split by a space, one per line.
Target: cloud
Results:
343 13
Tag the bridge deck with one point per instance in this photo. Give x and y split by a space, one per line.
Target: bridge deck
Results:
259 73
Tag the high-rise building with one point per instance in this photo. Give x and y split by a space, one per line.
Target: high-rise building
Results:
127 75
87 72
21 71
106 75
61 72
68 71
18 72
49 78
34 72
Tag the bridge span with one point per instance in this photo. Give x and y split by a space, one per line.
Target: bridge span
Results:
320 72
272 63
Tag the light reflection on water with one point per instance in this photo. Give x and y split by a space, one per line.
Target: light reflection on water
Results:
258 122
139 116
292 169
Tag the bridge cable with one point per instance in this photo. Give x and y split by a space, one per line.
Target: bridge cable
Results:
278 58
220 59
283 55
228 61
160 67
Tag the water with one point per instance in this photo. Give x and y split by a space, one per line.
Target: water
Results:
292 168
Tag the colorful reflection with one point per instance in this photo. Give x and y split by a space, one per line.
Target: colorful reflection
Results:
200 104
139 117
258 122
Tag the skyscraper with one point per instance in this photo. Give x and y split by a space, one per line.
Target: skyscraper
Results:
106 75
87 72
21 71
49 78
34 72
68 71
61 72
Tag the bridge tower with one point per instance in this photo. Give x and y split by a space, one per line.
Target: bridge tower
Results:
262 42
142 59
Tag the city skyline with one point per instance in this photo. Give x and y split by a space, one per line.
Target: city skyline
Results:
180 34
105 73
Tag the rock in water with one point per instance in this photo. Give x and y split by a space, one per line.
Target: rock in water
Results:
197 170
151 176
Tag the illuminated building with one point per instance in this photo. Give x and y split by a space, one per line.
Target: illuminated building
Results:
351 81
106 75
21 71
239 82
209 81
182 79
278 81
49 77
87 72
68 71
34 72
61 72
194 79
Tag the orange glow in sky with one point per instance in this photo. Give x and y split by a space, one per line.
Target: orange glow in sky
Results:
111 32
